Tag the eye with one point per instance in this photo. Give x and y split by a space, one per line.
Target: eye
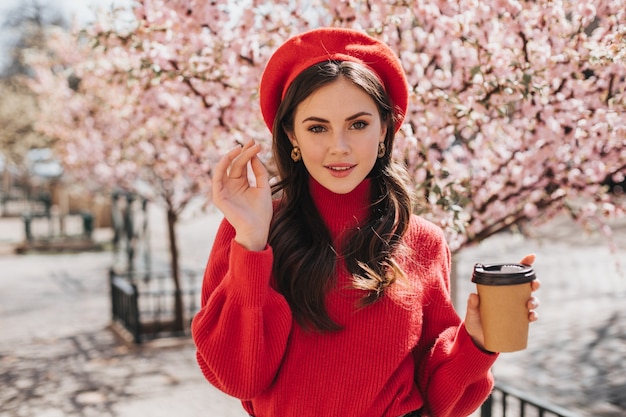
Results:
316 129
359 125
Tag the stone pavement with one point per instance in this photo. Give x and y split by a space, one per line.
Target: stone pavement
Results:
58 358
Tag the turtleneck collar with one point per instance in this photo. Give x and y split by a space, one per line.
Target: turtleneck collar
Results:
342 211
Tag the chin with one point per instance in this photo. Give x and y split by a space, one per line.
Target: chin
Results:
341 188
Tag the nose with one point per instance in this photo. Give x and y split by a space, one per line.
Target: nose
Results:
339 144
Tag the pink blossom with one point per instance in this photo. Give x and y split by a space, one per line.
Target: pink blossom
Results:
513 106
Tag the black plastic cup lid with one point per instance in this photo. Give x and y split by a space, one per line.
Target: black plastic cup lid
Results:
502 274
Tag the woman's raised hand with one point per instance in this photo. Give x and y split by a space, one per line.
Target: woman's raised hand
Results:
241 191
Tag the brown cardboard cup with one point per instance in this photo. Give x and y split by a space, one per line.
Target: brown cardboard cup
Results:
504 291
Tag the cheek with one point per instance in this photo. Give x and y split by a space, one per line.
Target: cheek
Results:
311 152
308 144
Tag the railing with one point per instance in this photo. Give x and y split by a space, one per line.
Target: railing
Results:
125 305
143 304
506 401
17 198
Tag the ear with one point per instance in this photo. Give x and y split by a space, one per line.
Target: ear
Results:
383 131
292 138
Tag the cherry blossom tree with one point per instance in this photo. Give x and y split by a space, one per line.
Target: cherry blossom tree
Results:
151 103
518 112
517 108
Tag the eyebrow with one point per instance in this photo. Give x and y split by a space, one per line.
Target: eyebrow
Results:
321 120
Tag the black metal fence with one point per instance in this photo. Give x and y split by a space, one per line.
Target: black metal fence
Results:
142 304
506 401
125 305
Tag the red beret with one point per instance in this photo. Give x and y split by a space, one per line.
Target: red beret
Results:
331 44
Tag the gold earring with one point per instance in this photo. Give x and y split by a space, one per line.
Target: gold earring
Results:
295 154
381 149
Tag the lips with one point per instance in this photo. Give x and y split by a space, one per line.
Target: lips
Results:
340 167
340 170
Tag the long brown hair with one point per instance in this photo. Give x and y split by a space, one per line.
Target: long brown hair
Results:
304 258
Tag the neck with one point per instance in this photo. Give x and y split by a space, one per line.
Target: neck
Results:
342 212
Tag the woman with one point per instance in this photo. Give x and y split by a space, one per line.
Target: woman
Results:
333 300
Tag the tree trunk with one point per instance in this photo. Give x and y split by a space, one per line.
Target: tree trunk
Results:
178 324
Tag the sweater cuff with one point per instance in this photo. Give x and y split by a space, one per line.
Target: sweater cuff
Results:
476 360
250 273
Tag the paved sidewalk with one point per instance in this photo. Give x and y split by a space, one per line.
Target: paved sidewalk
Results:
57 357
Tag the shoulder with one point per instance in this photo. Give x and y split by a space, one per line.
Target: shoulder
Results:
424 232
424 246
425 255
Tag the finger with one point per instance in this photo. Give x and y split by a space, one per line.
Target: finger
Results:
535 285
473 301
221 168
239 164
260 173
528 259
533 303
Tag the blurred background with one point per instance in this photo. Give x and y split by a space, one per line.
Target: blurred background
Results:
113 113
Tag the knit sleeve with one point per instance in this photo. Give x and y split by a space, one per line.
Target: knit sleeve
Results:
452 373
243 324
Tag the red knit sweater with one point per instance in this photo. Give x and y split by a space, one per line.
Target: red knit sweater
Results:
407 351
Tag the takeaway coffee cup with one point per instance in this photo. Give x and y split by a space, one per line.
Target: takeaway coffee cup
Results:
504 291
